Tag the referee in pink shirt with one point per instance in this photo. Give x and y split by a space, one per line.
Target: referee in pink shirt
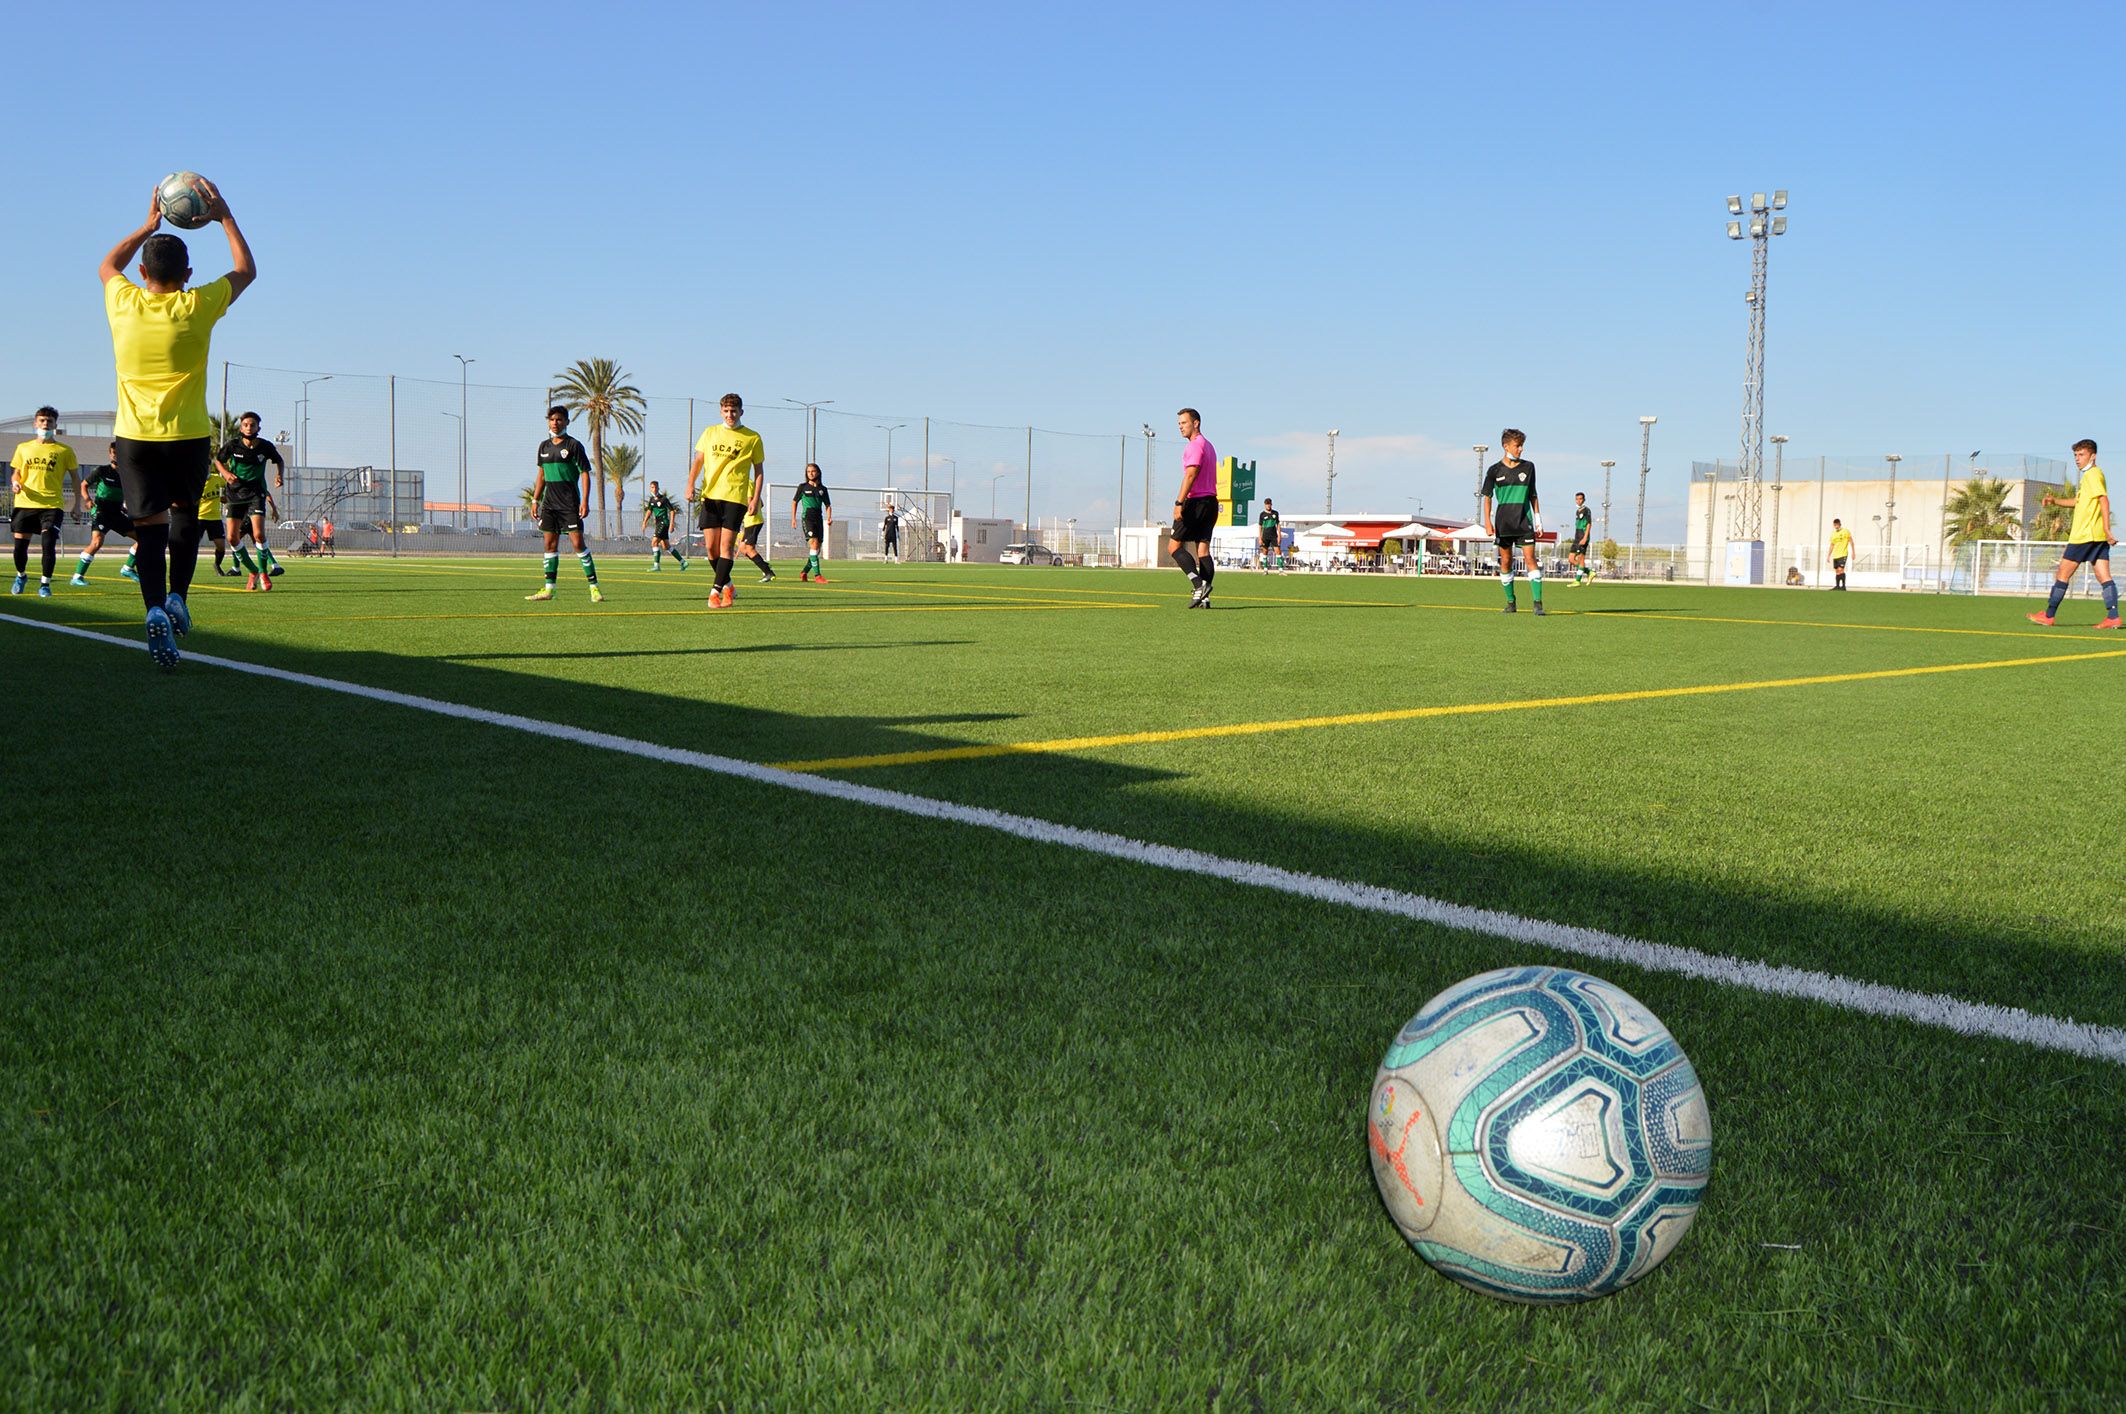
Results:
1196 509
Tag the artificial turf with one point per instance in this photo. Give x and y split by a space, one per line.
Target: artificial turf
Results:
356 1056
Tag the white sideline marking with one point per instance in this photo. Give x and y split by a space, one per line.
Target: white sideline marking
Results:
2049 1033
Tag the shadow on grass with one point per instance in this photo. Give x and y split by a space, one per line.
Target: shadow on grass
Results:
1984 959
708 651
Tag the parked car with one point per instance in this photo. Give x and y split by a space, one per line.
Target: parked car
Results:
1028 554
485 530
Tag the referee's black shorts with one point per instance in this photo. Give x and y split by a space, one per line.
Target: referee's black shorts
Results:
159 475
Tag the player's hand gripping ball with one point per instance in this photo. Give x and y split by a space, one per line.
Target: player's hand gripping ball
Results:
1539 1136
184 200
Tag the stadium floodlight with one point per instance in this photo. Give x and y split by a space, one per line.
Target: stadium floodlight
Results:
1756 225
1779 200
1734 230
1757 201
1734 206
1760 226
1779 225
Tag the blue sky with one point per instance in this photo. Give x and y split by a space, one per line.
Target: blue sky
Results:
1415 223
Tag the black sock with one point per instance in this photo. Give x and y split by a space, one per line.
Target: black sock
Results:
1208 568
723 572
1187 562
51 550
152 545
755 557
184 552
22 554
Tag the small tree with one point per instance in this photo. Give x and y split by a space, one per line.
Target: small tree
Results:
1608 549
622 460
530 499
2050 522
1978 510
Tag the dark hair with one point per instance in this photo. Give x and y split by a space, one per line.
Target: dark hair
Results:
47 411
251 415
653 481
1190 412
811 467
1836 521
561 413
1580 495
1512 434
730 400
2088 444
164 259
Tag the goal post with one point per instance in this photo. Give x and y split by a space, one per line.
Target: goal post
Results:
859 532
2020 567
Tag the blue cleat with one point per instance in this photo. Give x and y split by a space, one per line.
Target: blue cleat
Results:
162 644
21 583
180 616
78 582
128 572
44 589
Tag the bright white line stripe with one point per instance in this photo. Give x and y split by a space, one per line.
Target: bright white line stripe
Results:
2049 1033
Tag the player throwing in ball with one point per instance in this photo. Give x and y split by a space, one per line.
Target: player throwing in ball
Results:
1509 485
38 471
726 472
1195 509
161 336
657 512
564 485
2089 539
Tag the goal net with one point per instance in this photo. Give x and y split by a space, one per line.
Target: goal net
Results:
859 529
2015 567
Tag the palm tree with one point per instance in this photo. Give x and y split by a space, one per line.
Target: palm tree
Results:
2051 522
596 390
1979 511
530 497
622 460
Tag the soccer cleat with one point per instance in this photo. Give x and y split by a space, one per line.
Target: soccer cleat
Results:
1539 611
265 581
730 595
682 566
1511 608
2112 622
276 570
804 576
162 643
128 572
767 576
44 589
819 579
78 582
597 595
715 598
22 582
180 616
656 569
542 595
2045 619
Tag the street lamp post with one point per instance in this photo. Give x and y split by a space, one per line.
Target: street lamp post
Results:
1712 479
1607 468
1479 448
811 410
889 431
1763 224
1646 441
302 422
1328 495
454 417
464 366
1000 476
1149 438
1889 504
1778 487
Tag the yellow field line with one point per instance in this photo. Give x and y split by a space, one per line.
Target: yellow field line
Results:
536 615
1404 714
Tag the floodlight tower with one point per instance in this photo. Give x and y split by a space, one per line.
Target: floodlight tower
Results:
1328 495
1646 441
1480 448
1762 225
1778 485
1607 467
1889 503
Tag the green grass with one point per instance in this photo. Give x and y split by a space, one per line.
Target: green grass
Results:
441 1066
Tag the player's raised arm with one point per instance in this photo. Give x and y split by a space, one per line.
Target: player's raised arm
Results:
242 268
122 254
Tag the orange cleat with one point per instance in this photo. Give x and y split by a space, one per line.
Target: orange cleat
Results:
2112 622
2045 619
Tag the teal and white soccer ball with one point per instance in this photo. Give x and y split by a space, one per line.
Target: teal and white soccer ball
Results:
183 200
1538 1135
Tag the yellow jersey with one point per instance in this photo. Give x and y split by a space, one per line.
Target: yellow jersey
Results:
160 343
728 456
758 515
210 497
1841 543
43 467
2091 521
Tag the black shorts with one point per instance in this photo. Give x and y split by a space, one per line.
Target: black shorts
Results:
35 520
750 535
242 501
1579 545
815 525
1269 542
1509 543
1839 563
559 510
2087 552
111 520
159 475
1198 518
720 515
661 529
893 535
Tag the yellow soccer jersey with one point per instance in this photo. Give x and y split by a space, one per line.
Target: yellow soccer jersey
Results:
759 515
1841 544
210 497
728 456
160 345
2090 520
43 467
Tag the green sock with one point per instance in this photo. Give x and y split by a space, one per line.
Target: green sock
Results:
243 558
656 557
590 571
1508 584
129 558
1537 581
680 556
266 556
553 569
83 568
